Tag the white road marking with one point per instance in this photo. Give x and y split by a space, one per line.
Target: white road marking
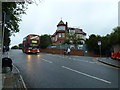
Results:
87 75
20 76
47 61
93 62
83 60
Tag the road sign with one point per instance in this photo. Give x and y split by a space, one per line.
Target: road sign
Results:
99 42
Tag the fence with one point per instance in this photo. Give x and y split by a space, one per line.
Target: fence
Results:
65 46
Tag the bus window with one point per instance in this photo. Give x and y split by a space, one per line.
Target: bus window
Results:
34 37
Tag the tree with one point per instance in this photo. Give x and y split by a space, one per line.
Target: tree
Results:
15 47
45 41
20 46
92 44
12 12
72 39
115 36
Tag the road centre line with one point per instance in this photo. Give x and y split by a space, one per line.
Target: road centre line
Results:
47 61
82 60
92 62
87 75
75 59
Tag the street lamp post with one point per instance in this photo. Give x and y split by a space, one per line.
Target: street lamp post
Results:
99 43
3 29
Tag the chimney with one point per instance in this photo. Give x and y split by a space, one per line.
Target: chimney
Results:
66 25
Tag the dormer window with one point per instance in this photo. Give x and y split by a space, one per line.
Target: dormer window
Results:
71 31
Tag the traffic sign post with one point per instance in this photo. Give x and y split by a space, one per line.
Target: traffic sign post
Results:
99 43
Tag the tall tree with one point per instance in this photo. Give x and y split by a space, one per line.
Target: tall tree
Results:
45 41
12 12
92 43
115 36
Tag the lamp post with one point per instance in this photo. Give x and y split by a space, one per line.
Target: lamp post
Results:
99 43
3 29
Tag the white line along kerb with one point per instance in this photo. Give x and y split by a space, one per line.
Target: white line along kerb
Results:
87 75
20 77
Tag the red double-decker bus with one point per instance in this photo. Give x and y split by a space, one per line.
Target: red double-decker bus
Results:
31 44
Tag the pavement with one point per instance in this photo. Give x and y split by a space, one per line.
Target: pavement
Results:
110 61
12 80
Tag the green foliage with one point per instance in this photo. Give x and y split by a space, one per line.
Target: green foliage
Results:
13 12
15 47
115 36
45 41
72 39
92 43
20 46
107 41
67 41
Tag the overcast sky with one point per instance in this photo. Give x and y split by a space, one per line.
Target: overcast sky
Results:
93 16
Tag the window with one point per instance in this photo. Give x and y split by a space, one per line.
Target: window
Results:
59 34
53 38
72 31
56 38
24 39
61 28
34 37
63 34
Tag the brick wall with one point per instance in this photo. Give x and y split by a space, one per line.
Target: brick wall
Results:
73 52
61 51
94 55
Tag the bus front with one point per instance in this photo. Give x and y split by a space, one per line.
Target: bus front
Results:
33 44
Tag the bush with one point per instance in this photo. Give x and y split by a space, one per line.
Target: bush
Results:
15 47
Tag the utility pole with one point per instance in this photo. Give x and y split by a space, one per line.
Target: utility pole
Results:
3 29
99 43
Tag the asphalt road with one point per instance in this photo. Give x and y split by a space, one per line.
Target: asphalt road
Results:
58 71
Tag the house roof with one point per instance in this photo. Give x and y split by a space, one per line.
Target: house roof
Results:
58 31
61 22
77 30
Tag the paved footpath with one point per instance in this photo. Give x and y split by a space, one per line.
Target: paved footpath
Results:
109 61
12 80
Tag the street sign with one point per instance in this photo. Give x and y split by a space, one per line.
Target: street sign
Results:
99 42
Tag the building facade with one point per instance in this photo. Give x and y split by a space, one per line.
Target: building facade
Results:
59 36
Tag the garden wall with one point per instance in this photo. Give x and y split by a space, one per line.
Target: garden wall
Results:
61 51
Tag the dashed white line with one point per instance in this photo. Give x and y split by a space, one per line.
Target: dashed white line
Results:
76 59
87 75
47 61
91 62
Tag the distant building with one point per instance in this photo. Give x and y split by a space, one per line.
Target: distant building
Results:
59 36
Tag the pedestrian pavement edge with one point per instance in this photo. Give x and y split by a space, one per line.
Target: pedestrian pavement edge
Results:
107 63
24 85
13 80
